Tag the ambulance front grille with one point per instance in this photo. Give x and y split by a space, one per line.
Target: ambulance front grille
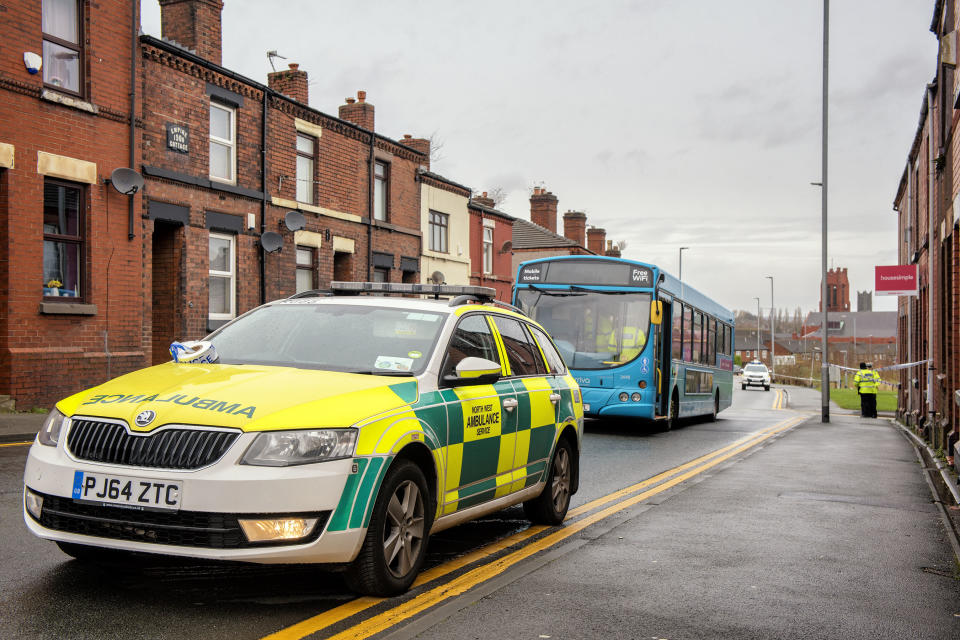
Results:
111 443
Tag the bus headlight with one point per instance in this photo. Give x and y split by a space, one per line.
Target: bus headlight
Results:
624 397
635 397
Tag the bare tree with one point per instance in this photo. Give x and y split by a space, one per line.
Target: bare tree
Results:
498 195
436 147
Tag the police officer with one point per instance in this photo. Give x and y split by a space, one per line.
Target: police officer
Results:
866 382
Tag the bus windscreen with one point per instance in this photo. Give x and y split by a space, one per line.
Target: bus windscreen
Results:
592 329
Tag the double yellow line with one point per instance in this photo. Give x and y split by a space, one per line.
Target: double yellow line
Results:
15 444
622 499
780 399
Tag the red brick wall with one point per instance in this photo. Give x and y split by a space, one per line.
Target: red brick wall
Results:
597 240
195 24
291 82
543 209
502 277
46 357
575 227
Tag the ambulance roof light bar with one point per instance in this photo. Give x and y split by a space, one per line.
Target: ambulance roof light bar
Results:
482 294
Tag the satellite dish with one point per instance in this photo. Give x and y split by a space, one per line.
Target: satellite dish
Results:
294 221
437 277
271 241
126 181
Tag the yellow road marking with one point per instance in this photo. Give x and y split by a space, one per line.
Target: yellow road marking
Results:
480 574
15 444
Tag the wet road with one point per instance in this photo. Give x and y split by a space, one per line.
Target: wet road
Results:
45 594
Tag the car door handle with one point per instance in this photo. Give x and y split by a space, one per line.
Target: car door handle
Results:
510 404
554 398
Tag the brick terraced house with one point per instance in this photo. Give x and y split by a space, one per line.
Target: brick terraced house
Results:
71 250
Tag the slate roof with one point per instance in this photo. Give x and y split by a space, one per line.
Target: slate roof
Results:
527 235
860 324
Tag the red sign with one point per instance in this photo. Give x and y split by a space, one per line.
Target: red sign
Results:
897 280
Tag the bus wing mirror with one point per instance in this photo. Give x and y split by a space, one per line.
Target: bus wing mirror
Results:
656 311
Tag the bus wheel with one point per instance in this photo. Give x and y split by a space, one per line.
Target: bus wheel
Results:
674 418
716 406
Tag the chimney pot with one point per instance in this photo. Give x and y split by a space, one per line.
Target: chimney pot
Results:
294 66
407 136
484 194
350 100
361 96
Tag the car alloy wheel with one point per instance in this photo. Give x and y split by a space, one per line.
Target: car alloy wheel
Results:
403 535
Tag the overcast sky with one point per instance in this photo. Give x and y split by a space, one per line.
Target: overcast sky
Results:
693 123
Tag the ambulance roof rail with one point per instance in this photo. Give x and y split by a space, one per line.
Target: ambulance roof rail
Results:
312 293
468 299
482 294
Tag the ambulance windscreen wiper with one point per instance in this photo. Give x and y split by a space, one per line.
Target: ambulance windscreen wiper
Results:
382 372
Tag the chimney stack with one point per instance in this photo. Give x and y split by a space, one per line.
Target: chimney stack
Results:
613 250
291 83
543 209
483 200
596 240
575 227
359 111
418 144
194 24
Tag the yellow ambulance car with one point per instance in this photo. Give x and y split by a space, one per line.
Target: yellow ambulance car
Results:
331 428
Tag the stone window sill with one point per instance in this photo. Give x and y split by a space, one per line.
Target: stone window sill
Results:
69 101
68 309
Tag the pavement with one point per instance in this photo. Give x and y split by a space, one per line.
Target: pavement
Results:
20 427
828 530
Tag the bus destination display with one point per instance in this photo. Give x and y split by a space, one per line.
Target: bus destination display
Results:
586 272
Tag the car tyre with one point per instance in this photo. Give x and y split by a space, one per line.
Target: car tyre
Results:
716 406
550 507
766 388
396 541
743 386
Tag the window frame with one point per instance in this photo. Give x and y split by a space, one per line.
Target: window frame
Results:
79 240
230 144
540 367
300 266
438 226
312 157
73 46
231 275
381 202
487 251
445 368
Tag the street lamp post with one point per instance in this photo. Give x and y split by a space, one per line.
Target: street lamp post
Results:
824 370
758 326
680 269
773 343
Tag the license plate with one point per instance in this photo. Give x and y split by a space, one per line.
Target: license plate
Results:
138 493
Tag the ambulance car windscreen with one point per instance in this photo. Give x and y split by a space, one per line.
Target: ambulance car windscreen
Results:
336 337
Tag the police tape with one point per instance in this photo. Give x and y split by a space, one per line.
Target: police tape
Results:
194 352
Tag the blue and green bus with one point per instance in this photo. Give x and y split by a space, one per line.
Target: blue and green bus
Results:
640 342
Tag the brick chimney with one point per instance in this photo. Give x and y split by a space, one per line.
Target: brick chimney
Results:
194 24
291 83
483 200
575 227
613 250
543 209
418 144
596 240
359 111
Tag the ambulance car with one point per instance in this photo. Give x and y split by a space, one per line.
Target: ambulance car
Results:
332 428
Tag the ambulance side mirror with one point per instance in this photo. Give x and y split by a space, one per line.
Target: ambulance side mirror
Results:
474 371
656 312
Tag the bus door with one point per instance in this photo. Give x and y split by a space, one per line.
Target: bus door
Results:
662 350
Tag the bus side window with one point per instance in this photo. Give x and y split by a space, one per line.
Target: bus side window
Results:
687 333
677 333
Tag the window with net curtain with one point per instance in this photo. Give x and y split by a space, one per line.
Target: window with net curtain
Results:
62 44
62 239
305 168
222 280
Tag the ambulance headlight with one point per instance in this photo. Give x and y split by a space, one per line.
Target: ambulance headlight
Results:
50 431
289 448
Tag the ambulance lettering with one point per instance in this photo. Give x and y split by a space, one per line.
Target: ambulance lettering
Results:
207 404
